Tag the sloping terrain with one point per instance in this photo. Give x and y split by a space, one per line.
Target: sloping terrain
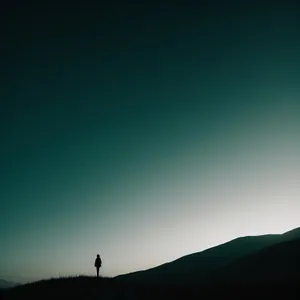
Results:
87 288
108 289
279 263
194 268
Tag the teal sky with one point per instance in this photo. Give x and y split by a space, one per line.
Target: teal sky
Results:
144 133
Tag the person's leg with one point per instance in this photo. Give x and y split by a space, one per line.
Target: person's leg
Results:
97 272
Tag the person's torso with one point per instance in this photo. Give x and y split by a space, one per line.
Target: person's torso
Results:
98 261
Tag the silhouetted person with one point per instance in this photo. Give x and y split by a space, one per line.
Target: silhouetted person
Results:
98 264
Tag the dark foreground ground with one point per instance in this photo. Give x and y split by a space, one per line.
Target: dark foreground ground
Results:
106 288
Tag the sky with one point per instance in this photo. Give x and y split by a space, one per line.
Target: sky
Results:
144 131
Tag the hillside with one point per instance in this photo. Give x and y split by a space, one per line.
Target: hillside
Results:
89 288
61 288
194 268
278 263
84 287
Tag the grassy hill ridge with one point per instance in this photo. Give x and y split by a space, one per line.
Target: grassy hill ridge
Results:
108 288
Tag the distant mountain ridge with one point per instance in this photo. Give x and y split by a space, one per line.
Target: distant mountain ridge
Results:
7 284
197 267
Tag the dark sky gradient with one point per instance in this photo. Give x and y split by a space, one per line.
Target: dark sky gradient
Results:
144 132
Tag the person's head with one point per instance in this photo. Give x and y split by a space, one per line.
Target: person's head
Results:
98 255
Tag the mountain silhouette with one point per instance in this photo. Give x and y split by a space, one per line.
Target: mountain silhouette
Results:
195 268
6 284
279 263
292 234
